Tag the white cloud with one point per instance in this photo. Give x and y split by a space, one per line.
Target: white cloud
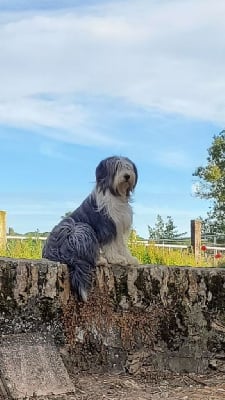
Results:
55 119
49 149
167 56
172 158
28 112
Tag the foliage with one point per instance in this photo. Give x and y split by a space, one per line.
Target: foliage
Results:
211 184
11 231
151 254
164 229
27 248
133 237
211 232
35 234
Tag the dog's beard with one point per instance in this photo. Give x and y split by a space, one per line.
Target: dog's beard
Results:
124 187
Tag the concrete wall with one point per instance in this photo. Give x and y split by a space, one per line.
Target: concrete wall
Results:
151 317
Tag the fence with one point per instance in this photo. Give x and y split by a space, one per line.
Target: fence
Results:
194 240
25 237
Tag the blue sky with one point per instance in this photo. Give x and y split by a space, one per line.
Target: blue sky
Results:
83 80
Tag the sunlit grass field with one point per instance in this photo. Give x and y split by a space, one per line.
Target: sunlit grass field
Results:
32 249
27 248
152 254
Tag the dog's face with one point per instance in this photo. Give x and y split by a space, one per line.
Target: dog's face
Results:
118 174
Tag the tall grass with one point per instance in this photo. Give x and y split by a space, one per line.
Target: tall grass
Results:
26 248
32 249
164 256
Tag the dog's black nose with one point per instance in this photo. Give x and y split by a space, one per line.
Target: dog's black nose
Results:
127 177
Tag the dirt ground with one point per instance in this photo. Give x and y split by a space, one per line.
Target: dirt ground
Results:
123 387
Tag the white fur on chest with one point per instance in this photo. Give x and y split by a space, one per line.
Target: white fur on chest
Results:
117 209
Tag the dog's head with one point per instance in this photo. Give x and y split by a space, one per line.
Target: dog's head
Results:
118 174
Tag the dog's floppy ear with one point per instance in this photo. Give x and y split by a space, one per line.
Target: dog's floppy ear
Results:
105 172
136 173
101 171
134 168
101 174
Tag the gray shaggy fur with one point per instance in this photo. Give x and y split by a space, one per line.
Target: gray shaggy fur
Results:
77 239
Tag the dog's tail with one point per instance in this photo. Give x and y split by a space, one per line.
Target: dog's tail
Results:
75 244
80 278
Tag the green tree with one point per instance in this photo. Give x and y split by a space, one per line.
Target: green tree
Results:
134 237
211 183
170 230
157 232
207 227
11 231
164 229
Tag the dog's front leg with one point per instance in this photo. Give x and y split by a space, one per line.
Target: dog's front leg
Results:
125 251
102 261
117 252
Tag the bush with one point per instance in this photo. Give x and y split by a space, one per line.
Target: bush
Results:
151 254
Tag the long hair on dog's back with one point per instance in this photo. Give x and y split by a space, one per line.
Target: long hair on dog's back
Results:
101 223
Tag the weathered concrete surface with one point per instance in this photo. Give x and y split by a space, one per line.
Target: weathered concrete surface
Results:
31 366
152 317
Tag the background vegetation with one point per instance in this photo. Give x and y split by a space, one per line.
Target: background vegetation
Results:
210 185
147 254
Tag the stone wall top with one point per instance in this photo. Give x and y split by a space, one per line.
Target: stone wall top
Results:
156 316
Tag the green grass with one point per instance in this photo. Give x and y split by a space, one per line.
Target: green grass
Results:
164 256
27 248
32 249
182 257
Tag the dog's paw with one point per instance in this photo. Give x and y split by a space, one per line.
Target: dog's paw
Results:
124 260
117 260
132 261
102 262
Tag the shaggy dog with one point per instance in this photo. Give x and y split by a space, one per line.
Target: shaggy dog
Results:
101 224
